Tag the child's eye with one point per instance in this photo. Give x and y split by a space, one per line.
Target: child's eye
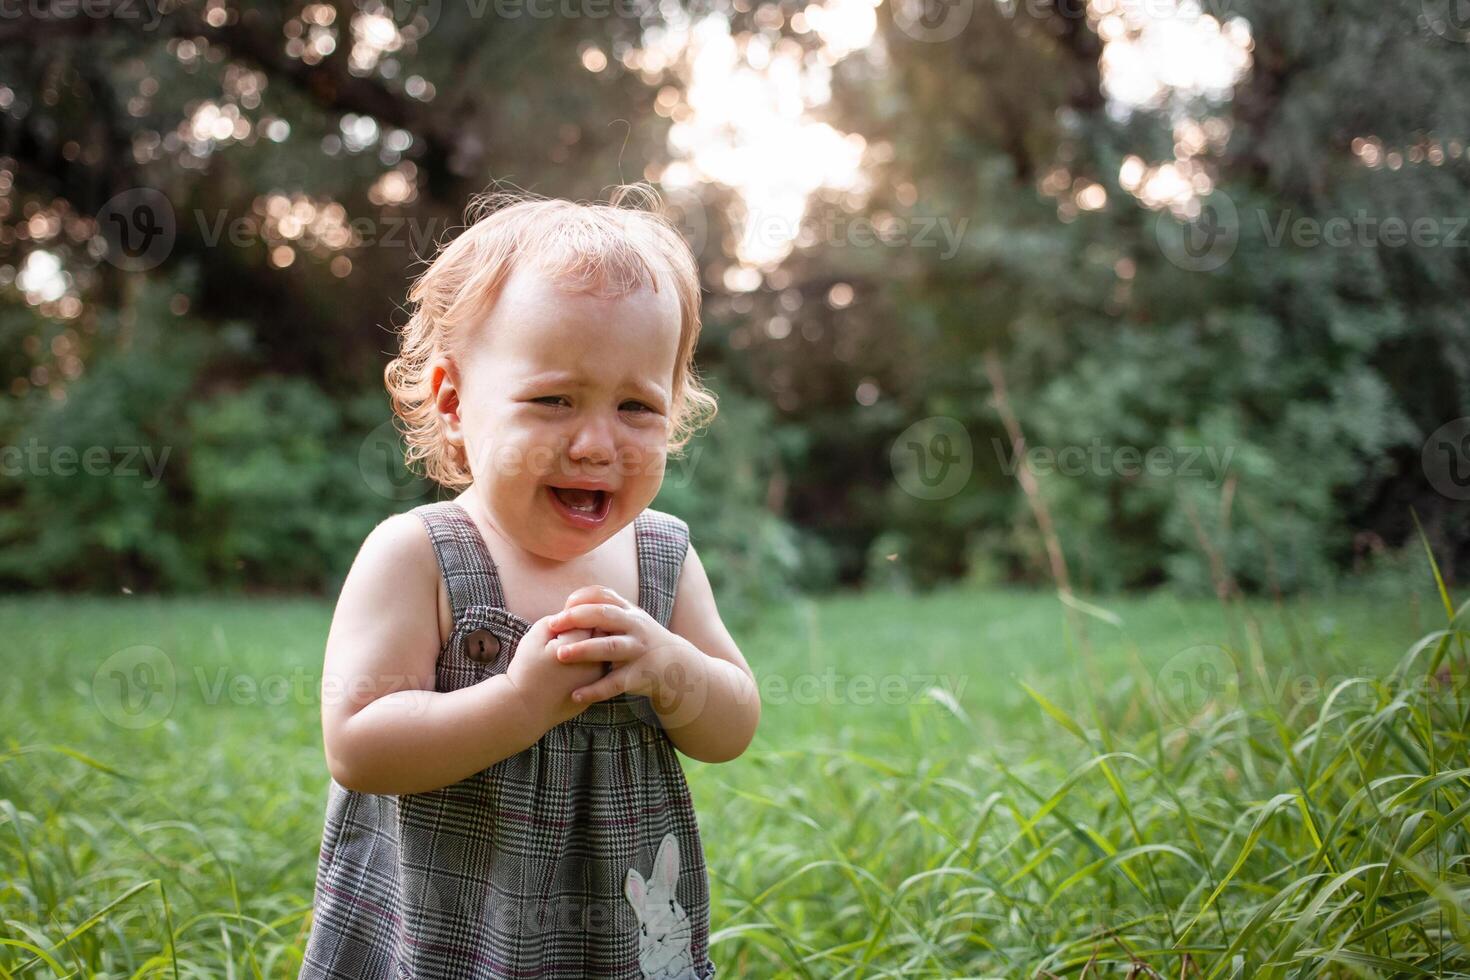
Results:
549 399
632 406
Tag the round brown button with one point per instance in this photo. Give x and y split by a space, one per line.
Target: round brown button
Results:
481 646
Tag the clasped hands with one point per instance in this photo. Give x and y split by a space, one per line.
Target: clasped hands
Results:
645 658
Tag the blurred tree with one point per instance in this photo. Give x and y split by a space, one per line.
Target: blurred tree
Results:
1313 372
210 216
209 213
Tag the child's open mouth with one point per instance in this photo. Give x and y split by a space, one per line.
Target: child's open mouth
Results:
579 506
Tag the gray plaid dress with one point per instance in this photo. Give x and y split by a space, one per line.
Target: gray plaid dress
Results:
579 857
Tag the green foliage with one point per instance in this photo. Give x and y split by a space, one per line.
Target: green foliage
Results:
274 474
117 522
720 485
203 485
1312 372
273 482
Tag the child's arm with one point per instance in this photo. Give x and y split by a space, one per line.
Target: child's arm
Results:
384 727
731 703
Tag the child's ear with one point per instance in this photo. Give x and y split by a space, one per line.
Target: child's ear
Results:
443 382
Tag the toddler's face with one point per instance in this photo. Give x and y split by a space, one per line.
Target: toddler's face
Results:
564 409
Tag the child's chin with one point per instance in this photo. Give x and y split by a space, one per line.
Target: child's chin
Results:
563 542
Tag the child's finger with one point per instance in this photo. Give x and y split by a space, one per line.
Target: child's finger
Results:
608 618
613 683
615 647
596 593
566 638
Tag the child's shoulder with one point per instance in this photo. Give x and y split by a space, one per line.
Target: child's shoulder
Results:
663 524
398 537
411 534
400 552
403 536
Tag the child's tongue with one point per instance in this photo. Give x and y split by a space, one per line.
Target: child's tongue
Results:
580 499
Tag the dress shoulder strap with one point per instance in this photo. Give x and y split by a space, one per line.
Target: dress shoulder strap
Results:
663 541
469 571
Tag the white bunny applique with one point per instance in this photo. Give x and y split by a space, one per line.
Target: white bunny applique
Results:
663 925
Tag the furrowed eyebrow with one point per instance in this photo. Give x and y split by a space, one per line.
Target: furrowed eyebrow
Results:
565 380
651 392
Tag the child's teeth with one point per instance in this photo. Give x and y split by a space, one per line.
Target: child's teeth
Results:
583 501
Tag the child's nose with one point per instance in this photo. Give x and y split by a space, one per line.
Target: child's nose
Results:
592 441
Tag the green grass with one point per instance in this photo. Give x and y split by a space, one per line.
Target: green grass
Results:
1164 789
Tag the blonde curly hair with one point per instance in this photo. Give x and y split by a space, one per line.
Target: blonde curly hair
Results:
608 248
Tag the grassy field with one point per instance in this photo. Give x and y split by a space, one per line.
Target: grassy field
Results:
968 784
